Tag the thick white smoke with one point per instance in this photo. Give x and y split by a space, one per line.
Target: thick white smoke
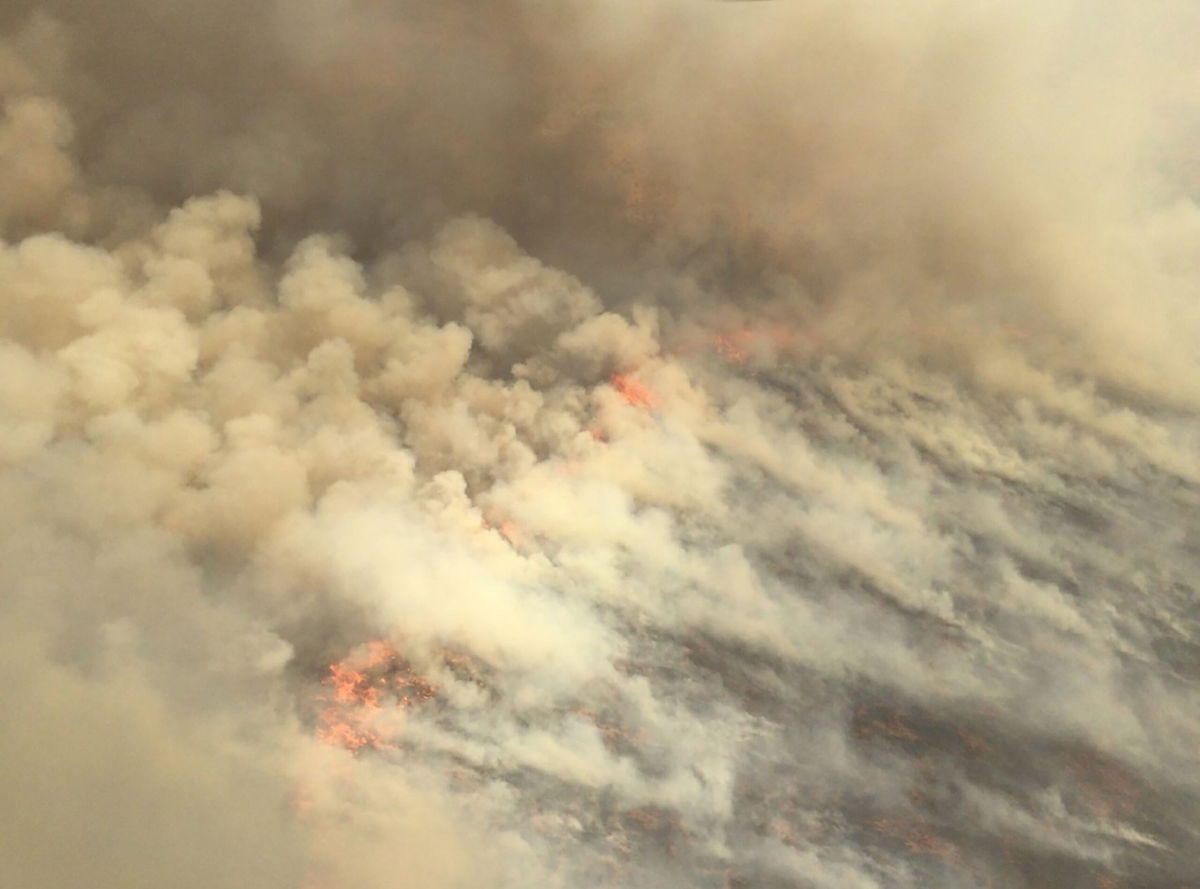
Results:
587 444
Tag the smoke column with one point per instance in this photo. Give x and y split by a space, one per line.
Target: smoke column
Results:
626 443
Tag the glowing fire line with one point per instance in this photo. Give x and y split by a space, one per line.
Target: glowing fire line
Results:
358 688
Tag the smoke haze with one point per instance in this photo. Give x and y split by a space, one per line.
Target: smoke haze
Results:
634 444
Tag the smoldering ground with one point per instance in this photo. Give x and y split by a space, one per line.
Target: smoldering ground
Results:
621 443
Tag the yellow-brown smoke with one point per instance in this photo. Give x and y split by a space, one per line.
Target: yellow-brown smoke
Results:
554 347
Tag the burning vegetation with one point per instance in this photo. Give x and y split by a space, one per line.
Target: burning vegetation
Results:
873 564
635 392
358 688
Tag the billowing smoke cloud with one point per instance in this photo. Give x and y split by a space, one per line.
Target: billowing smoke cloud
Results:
598 444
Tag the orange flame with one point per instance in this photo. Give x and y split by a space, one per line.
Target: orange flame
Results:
634 392
357 686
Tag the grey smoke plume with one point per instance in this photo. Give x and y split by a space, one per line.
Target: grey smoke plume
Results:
598 444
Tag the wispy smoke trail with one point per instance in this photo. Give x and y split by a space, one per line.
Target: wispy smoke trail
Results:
598 444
